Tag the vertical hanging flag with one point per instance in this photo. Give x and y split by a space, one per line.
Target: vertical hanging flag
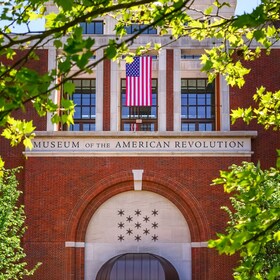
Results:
139 82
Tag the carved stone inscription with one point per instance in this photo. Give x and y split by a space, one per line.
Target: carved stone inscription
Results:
163 145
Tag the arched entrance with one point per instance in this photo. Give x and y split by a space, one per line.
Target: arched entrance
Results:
137 266
138 222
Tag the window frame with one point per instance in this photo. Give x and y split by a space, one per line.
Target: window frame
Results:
136 27
198 105
89 103
87 25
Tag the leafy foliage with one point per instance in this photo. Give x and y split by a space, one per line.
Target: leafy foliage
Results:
266 111
256 233
177 18
12 265
254 225
17 130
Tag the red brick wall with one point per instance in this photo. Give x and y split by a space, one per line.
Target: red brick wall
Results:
264 71
169 90
41 66
62 194
13 157
106 95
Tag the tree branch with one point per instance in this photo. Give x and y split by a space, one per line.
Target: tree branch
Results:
261 233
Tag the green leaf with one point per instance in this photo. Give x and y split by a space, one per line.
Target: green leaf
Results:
67 119
111 51
65 4
18 130
278 159
64 66
10 53
58 43
157 46
2 163
28 143
259 34
209 10
55 118
276 236
67 104
254 224
69 87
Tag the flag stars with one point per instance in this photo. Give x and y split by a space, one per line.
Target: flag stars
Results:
129 219
137 212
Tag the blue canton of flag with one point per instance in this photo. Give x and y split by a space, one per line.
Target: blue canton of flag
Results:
133 69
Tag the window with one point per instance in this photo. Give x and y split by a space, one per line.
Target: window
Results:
139 118
94 27
191 56
134 28
84 98
197 105
153 56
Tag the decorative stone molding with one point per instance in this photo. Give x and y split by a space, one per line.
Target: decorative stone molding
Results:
199 244
137 176
73 244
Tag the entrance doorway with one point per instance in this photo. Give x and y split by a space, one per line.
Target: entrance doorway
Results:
137 266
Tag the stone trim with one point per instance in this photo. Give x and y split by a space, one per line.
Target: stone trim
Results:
137 177
73 244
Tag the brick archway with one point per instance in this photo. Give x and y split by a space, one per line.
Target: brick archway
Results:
122 182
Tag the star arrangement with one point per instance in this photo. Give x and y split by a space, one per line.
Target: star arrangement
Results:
138 225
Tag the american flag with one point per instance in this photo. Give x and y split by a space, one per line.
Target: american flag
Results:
139 82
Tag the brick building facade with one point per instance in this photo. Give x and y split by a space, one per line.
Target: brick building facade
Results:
111 190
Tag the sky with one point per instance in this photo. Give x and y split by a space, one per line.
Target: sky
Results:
242 6
246 6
